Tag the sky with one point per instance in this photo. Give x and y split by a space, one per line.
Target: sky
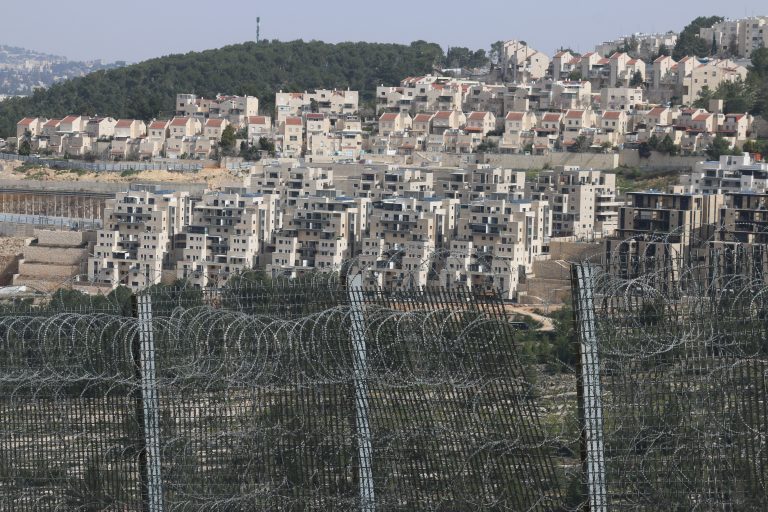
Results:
140 29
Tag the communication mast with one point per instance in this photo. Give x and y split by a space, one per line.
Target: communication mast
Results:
258 22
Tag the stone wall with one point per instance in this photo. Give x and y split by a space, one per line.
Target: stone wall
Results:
58 238
55 255
47 271
657 161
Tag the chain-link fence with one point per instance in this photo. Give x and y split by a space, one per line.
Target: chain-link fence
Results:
318 394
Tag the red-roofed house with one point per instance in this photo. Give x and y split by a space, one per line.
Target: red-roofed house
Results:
623 69
71 124
158 130
563 64
50 127
291 136
518 132
575 121
613 122
185 127
29 125
394 122
519 121
480 122
422 124
214 128
658 116
259 126
447 120
101 127
737 125
130 129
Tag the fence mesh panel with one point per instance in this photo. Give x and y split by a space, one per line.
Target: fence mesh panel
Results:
319 395
257 394
682 373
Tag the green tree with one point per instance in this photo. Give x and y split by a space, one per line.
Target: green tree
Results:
718 147
24 147
267 145
495 54
738 96
637 79
581 144
689 42
758 80
668 146
228 140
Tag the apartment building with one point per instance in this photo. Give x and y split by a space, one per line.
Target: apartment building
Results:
743 220
497 242
226 234
234 109
324 101
662 226
643 46
134 246
710 74
319 233
583 202
621 98
730 174
738 38
521 63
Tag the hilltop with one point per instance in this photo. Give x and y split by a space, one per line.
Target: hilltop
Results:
147 89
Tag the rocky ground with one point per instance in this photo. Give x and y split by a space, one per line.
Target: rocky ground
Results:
215 178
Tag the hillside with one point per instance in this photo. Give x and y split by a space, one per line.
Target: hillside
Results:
143 90
23 70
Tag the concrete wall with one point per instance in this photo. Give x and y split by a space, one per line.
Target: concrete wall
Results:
584 160
55 255
13 229
47 271
50 237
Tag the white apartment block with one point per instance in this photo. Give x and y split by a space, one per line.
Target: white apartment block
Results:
648 45
500 240
134 246
583 202
323 101
738 38
319 233
729 174
226 235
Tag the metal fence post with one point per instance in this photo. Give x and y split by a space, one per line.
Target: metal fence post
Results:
589 390
148 410
360 368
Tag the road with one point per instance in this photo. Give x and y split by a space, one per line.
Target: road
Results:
547 325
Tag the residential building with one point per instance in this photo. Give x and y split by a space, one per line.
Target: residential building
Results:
134 246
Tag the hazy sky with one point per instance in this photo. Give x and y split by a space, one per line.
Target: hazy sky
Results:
139 29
